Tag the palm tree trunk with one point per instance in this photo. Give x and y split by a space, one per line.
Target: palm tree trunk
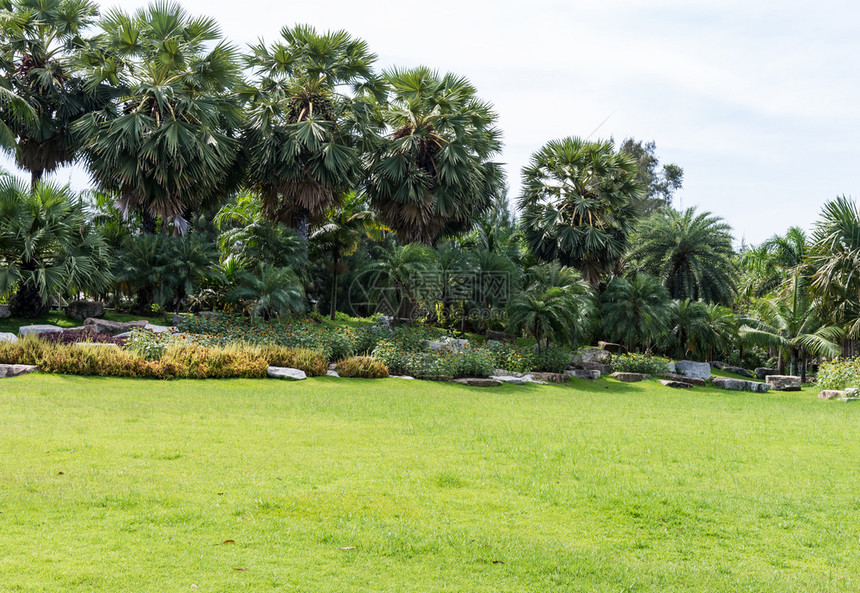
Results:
147 221
303 224
780 365
36 176
334 276
793 367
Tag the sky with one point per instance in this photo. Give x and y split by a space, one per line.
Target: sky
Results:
756 100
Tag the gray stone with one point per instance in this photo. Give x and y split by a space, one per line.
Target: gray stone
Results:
758 387
286 373
510 379
96 345
670 368
84 309
685 379
448 344
629 377
114 327
124 335
590 355
583 374
505 373
13 370
831 394
676 384
761 373
405 377
611 347
7 337
38 329
739 371
783 382
4 311
716 364
530 379
739 385
331 373
550 377
478 382
691 368
605 369
157 329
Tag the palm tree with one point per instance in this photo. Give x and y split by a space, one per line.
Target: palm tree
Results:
269 292
697 330
792 324
635 312
170 145
433 175
690 253
835 259
339 235
577 204
404 277
312 116
41 93
47 249
773 263
556 304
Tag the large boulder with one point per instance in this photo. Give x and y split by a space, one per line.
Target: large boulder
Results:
4 311
831 394
684 379
158 329
84 309
7 337
39 329
604 369
691 368
783 382
584 374
13 370
739 385
629 377
509 379
550 377
716 364
286 373
448 344
113 327
739 371
590 355
762 373
676 384
478 382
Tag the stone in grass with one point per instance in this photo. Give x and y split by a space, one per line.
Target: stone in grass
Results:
114 327
676 384
629 377
478 382
511 380
691 368
831 394
7 337
551 377
783 382
739 371
286 373
405 377
762 372
13 370
717 364
683 378
39 329
583 374
331 373
739 385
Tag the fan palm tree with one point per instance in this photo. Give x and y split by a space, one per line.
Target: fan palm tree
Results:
269 292
577 204
405 277
170 145
339 235
434 175
835 261
690 253
312 116
635 312
47 250
41 93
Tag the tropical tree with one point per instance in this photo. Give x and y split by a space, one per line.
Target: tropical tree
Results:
635 312
555 305
47 248
792 324
312 116
697 330
660 183
401 281
170 146
339 236
773 263
577 204
434 175
835 259
690 253
42 94
268 291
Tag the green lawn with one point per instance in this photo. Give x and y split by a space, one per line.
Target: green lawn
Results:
349 485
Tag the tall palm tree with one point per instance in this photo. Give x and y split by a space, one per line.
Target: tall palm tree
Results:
697 330
339 235
170 146
690 253
773 263
312 117
577 204
835 259
635 312
41 92
434 175
47 249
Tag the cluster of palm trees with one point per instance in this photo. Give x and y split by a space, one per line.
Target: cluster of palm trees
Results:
272 180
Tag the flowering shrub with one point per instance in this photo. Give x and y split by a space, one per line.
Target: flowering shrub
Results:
362 367
640 363
472 362
196 362
151 346
839 373
510 357
421 365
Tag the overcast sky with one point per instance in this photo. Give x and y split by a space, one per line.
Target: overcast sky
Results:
757 101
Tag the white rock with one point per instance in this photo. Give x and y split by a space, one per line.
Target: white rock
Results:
331 374
691 368
95 344
13 370
158 329
7 337
406 377
509 379
286 373
38 329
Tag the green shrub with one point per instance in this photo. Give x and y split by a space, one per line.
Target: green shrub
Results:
421 365
312 362
839 373
477 362
365 339
551 360
510 357
196 362
640 363
362 367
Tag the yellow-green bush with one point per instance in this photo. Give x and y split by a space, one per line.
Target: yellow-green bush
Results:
362 367
196 362
312 362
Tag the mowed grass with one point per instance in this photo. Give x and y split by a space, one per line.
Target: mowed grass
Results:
392 485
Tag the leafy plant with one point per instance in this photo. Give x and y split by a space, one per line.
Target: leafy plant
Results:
362 367
312 362
839 373
633 362
551 360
